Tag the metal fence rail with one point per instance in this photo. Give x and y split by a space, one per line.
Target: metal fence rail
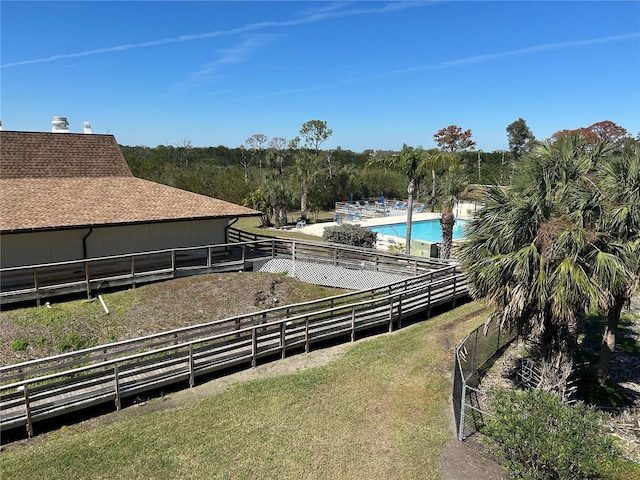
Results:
471 357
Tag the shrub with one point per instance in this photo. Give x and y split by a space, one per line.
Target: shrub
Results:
347 234
71 342
19 345
539 437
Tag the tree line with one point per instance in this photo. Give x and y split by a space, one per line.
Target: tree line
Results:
278 175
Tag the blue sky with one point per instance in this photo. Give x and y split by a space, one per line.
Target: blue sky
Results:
380 73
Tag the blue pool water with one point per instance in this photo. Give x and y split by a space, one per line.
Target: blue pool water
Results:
427 230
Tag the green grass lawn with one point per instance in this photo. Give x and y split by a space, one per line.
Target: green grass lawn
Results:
252 225
380 411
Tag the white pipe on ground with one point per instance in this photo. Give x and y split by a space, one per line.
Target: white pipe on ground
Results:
104 305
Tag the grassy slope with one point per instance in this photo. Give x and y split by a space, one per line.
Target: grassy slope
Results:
378 412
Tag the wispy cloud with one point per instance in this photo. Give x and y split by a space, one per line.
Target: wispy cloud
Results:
236 54
467 61
327 12
520 52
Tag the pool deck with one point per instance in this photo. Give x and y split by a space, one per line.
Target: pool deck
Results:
384 241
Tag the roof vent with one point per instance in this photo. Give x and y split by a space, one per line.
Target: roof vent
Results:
87 127
59 125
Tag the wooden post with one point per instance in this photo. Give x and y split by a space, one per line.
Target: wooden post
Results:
391 315
400 311
27 407
429 301
192 374
87 279
455 288
36 286
116 379
353 324
306 335
283 338
254 346
133 271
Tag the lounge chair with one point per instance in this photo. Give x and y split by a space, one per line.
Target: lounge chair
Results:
348 217
357 216
420 209
337 218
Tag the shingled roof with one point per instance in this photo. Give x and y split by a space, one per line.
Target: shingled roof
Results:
67 180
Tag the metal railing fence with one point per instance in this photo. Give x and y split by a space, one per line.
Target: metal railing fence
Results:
45 388
471 357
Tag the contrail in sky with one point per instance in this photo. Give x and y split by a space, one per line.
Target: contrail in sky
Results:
319 15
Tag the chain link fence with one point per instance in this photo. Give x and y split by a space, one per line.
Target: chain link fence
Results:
472 358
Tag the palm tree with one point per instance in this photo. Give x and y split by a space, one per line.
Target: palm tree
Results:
410 162
452 184
528 251
618 180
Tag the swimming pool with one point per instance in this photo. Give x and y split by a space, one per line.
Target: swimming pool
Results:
427 230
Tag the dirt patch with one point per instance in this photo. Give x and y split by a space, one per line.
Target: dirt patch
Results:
37 332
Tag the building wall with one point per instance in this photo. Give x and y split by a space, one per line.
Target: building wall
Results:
57 246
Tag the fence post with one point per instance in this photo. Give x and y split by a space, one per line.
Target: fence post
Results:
27 407
283 338
293 259
36 286
463 396
353 323
87 279
192 372
455 290
391 315
475 348
306 335
254 346
133 271
116 379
